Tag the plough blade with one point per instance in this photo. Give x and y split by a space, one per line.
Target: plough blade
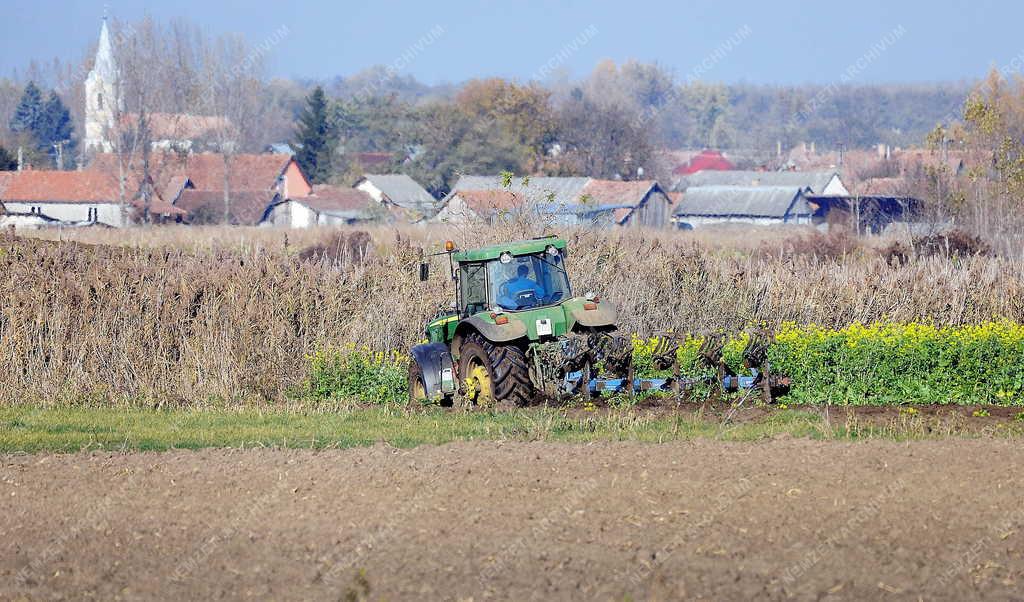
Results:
619 385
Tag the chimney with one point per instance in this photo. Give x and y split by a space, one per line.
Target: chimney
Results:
21 159
881 151
888 152
778 148
812 148
804 146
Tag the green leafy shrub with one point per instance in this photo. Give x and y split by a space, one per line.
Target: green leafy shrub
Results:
358 374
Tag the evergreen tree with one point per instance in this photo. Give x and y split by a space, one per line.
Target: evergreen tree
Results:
54 129
27 116
316 137
7 161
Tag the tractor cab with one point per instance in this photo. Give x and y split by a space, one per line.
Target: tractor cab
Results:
517 277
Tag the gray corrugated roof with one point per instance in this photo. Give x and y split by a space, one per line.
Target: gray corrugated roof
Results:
402 190
815 180
748 201
567 190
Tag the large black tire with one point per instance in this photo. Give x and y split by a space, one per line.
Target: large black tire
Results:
417 384
506 365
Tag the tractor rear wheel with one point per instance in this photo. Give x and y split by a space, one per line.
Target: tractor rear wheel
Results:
417 384
494 374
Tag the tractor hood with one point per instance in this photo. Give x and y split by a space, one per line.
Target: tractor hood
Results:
550 321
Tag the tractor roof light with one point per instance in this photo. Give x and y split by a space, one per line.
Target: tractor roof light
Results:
449 246
505 257
551 250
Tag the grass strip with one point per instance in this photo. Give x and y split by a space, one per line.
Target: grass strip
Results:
32 429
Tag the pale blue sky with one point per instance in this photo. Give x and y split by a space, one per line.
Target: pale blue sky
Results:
782 42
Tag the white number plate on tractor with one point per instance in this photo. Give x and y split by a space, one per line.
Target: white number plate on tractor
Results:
543 327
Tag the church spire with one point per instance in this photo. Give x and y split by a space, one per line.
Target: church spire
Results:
105 66
102 99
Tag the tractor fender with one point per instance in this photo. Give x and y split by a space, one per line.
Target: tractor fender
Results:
496 333
436 362
604 315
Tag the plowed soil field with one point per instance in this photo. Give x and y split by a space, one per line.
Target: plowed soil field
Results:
780 519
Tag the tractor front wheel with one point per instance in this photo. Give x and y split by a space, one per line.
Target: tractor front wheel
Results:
494 374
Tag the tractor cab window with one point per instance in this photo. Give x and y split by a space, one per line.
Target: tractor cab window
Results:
473 284
528 281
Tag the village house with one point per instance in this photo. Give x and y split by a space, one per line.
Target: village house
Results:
326 206
196 183
637 203
549 189
399 191
876 204
480 207
825 183
75 198
570 200
757 205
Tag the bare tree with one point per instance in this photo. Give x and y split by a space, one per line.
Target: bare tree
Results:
232 71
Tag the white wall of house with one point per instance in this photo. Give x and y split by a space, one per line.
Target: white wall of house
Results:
302 216
835 187
106 213
699 221
21 221
376 193
293 214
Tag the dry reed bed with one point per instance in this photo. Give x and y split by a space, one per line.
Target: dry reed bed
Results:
225 323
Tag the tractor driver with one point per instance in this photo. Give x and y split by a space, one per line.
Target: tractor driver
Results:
515 286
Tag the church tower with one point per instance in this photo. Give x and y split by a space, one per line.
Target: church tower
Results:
101 96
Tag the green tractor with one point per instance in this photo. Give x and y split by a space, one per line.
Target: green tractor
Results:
516 332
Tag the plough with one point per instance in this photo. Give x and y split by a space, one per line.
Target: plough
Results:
666 358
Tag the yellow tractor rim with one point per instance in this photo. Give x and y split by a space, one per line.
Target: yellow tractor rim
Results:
478 385
419 392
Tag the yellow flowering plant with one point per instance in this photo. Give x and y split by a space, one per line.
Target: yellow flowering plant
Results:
358 373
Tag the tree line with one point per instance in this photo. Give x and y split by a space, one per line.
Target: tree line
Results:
613 122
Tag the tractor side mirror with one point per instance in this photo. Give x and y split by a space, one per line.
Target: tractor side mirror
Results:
424 271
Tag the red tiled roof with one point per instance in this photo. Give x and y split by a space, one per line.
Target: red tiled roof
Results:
621 214
950 160
179 126
205 170
247 206
158 207
614 192
883 187
368 160
61 186
485 202
705 160
336 198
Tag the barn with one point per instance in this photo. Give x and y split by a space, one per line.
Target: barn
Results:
758 205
